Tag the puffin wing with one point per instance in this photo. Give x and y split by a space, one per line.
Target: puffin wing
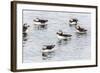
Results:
66 35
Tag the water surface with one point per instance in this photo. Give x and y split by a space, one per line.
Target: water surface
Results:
76 48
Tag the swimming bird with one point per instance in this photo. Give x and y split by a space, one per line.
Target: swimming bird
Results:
62 35
80 29
73 21
40 23
40 20
48 48
25 28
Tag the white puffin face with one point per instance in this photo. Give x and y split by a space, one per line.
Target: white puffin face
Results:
71 19
78 26
37 19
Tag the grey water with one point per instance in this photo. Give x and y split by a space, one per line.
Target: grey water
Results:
76 48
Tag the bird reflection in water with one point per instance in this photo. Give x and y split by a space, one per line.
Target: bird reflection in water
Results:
24 36
40 27
79 35
47 55
63 42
